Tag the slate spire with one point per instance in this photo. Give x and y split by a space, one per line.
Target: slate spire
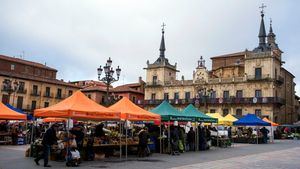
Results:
162 47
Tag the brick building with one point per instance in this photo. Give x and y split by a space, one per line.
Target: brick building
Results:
29 85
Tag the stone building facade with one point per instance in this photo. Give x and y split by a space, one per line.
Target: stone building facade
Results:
251 81
29 85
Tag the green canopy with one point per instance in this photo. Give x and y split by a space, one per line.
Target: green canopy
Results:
190 110
169 113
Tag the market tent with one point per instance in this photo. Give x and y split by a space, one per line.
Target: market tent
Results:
53 119
269 121
229 119
169 113
9 114
130 111
218 116
190 110
78 106
251 120
29 116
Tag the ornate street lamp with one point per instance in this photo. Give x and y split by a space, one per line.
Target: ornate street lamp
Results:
108 78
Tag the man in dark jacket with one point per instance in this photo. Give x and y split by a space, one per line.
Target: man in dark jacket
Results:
48 140
143 142
191 139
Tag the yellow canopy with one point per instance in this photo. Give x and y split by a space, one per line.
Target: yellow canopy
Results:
229 119
218 116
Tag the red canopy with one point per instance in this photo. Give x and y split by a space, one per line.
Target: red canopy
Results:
78 106
9 114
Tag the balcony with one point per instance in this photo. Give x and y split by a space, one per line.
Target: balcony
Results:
49 95
60 96
22 91
35 93
171 101
220 101
258 78
279 80
154 83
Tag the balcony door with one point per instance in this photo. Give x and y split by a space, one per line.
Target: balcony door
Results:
257 73
154 80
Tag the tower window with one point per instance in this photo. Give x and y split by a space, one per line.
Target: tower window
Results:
257 73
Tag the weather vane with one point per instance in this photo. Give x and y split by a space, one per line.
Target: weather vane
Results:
262 8
163 27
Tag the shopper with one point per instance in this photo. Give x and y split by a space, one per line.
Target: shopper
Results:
264 132
48 140
191 139
143 142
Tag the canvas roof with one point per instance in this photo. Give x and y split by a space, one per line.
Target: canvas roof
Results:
8 114
190 110
130 111
168 112
250 120
78 106
269 121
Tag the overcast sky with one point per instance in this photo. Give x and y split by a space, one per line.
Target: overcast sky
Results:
76 36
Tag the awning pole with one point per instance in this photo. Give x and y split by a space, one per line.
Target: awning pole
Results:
120 125
160 150
169 139
126 127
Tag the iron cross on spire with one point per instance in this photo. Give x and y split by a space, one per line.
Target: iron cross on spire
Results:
262 8
163 27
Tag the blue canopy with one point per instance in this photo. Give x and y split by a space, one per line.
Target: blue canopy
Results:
29 116
250 120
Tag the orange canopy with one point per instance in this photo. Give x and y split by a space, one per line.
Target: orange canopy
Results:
9 114
130 111
78 106
53 119
269 121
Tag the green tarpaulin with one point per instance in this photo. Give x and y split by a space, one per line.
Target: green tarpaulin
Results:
191 111
169 113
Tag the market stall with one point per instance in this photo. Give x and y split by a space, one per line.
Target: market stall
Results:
271 128
250 120
131 112
79 107
9 114
170 116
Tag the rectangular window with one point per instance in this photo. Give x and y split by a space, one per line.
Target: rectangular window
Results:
70 92
239 112
225 112
35 90
133 99
226 94
153 96
258 93
58 94
176 95
46 104
239 94
47 94
12 67
257 73
21 86
154 80
5 99
187 95
258 112
20 102
33 105
166 96
212 110
213 94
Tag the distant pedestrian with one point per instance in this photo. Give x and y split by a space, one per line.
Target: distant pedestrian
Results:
191 139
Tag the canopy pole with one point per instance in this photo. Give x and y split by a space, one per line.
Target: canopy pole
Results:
197 137
169 138
126 127
256 134
120 125
160 138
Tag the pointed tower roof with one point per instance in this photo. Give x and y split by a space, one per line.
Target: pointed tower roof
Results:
162 61
262 46
272 37
162 48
